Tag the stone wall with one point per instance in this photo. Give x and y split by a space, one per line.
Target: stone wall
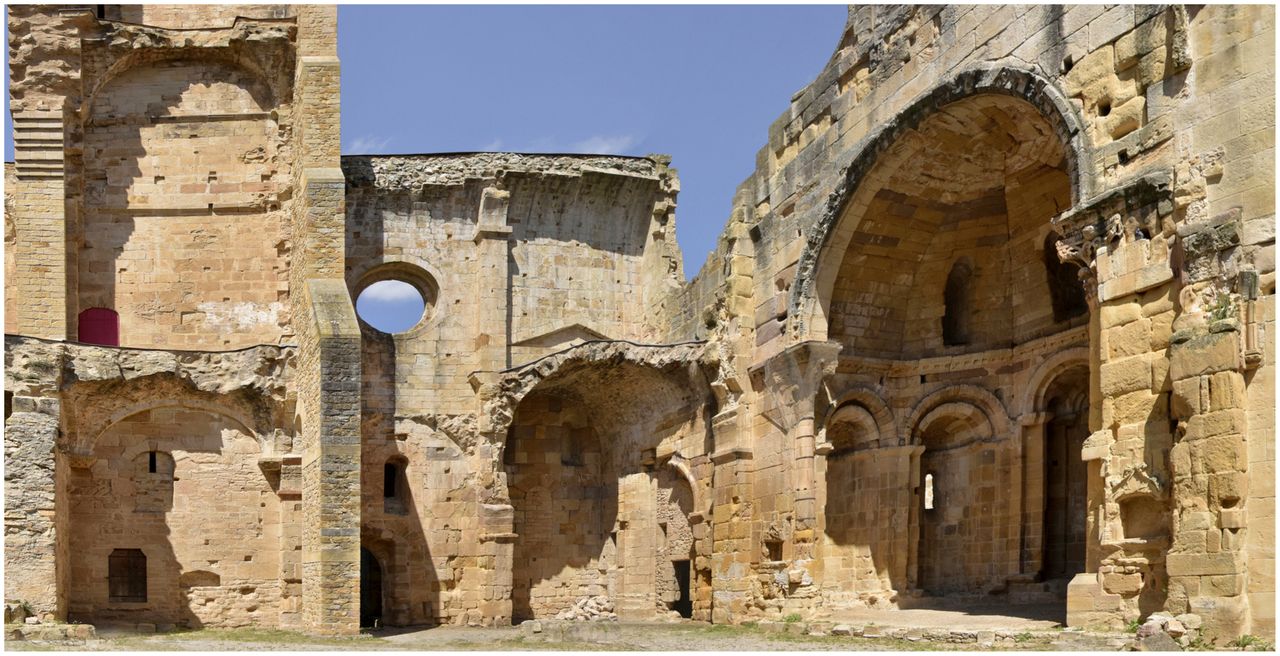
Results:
990 319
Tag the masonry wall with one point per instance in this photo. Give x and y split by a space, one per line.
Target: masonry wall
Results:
212 528
183 234
1141 81
800 384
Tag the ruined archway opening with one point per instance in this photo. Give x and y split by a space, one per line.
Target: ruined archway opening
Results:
1065 531
676 548
604 526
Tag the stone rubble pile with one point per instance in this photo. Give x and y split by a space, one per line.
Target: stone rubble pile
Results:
589 609
1164 632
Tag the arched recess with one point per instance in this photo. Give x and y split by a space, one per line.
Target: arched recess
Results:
1065 475
958 549
1034 395
865 488
581 465
181 482
1033 104
980 398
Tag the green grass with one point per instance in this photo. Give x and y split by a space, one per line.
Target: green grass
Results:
1247 641
792 618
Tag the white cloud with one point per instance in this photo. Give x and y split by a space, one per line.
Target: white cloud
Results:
603 144
391 291
595 145
368 145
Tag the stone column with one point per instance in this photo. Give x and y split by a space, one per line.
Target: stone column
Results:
1033 495
493 282
328 336
329 398
40 217
637 553
33 501
731 489
1122 240
497 553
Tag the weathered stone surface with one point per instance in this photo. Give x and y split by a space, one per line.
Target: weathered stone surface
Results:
991 313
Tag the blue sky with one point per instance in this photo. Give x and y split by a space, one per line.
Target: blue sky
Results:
700 83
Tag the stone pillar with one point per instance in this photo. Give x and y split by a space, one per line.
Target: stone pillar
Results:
33 498
329 398
497 553
730 519
328 336
637 553
40 217
1122 239
1033 495
493 282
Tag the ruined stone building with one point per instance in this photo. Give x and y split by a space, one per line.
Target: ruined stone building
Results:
992 319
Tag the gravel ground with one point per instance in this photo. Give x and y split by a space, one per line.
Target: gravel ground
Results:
684 636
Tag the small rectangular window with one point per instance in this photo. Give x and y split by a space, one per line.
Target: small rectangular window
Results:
127 575
151 462
774 548
928 491
389 475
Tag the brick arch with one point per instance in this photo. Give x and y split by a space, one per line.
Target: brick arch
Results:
877 414
826 242
1033 398
977 398
242 420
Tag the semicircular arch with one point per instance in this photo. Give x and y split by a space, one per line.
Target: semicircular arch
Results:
828 239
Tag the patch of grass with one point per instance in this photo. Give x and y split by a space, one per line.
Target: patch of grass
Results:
1023 637
1133 625
792 618
1248 641
1198 643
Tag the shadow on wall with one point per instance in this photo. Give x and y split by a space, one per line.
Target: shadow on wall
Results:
395 550
174 523
589 505
179 183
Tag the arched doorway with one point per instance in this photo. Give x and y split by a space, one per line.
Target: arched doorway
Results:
370 590
958 487
1065 476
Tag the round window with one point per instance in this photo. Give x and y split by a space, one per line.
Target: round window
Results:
391 306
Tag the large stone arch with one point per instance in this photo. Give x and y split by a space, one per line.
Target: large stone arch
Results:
574 440
502 391
827 240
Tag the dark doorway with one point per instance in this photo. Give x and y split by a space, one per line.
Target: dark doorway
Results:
370 590
1065 528
685 604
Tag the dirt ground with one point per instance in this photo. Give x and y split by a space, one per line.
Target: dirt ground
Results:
683 636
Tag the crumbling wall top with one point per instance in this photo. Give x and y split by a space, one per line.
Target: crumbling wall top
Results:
414 171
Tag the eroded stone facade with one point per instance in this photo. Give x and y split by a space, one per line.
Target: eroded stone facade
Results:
992 319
